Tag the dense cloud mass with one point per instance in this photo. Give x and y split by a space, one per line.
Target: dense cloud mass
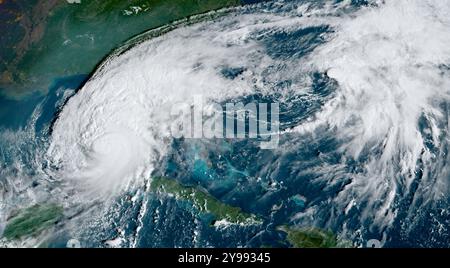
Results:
387 72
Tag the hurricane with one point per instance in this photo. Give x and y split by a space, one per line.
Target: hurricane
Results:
363 89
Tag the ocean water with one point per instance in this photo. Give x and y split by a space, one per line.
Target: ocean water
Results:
363 93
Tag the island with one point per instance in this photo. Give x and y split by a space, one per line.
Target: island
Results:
204 202
32 221
311 237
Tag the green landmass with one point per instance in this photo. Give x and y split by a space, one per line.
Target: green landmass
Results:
72 39
311 237
32 221
203 201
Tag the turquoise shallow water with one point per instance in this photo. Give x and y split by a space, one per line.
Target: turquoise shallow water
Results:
15 114
278 186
